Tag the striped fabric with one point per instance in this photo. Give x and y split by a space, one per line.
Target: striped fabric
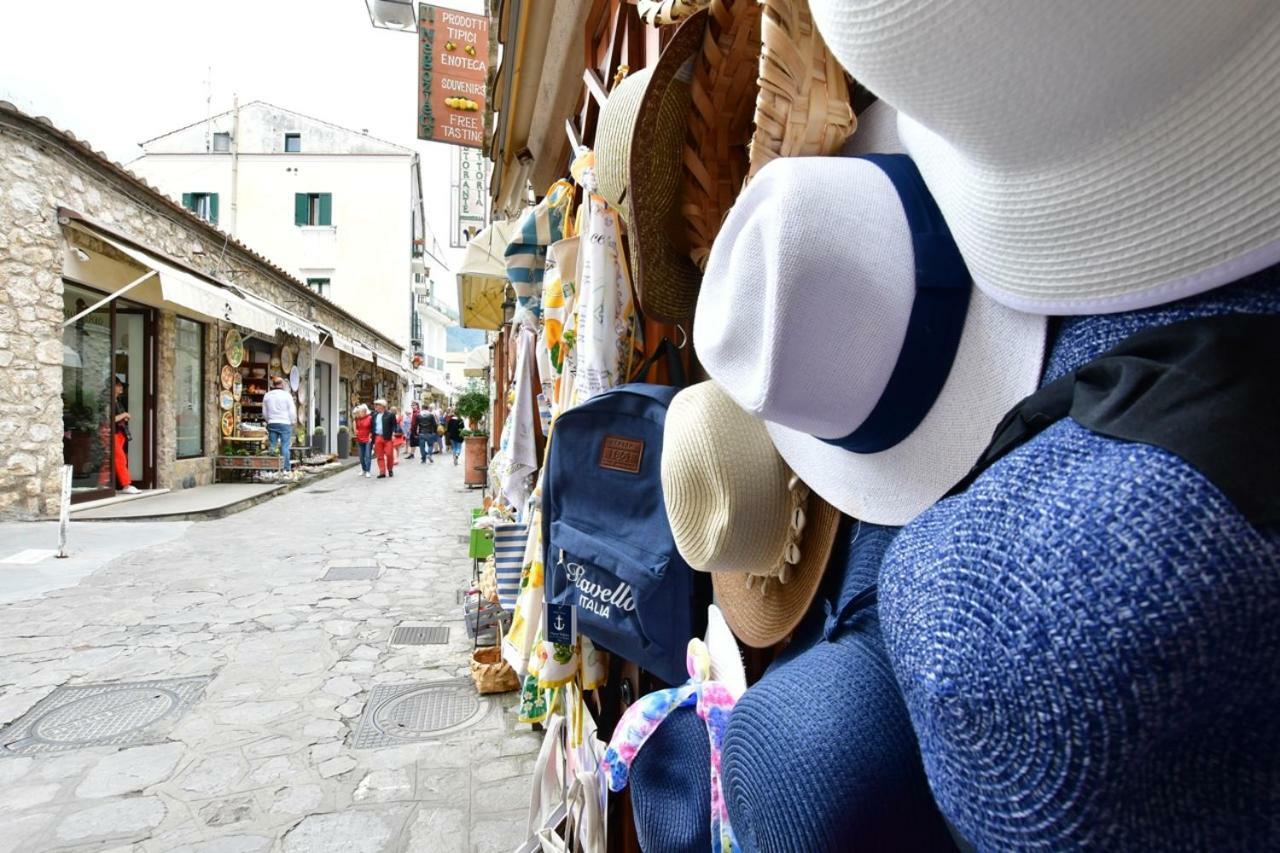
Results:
526 254
508 554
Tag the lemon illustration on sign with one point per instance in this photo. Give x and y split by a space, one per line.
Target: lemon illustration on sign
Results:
465 104
470 49
450 46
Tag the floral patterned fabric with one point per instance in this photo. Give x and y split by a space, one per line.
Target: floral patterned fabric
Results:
713 701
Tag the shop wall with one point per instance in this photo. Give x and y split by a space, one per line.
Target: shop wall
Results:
171 472
40 170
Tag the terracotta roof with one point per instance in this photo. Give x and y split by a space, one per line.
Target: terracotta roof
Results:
195 222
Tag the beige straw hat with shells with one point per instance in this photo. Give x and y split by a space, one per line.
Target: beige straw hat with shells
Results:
737 511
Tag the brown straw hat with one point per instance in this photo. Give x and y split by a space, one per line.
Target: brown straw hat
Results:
736 510
638 142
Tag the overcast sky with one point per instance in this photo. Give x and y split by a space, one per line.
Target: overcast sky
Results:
116 73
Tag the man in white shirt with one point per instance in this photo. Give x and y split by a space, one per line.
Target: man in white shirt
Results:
281 415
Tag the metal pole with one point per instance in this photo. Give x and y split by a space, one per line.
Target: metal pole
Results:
64 511
103 301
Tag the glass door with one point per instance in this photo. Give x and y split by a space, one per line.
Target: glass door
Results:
129 366
323 402
87 407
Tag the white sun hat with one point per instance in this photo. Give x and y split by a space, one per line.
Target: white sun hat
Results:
836 307
1089 156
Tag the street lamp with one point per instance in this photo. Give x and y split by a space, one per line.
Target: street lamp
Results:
392 14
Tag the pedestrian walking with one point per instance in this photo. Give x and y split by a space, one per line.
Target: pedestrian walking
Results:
121 437
453 432
410 427
384 433
281 415
364 438
424 427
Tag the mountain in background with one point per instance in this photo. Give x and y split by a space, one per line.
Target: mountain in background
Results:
460 340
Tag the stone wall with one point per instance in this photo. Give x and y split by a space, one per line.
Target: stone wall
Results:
40 170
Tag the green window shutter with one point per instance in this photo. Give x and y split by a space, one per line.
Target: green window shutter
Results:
326 209
186 201
213 208
299 208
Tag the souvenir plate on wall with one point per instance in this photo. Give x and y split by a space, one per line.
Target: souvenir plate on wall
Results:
225 401
302 395
286 357
295 378
228 375
275 364
234 348
228 423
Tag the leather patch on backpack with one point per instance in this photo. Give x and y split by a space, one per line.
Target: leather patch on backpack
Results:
621 454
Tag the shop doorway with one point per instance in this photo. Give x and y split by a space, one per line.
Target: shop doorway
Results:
109 344
323 403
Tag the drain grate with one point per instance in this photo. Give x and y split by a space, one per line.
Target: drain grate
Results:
101 715
348 571
406 713
420 635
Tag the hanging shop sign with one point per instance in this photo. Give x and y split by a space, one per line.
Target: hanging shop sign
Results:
453 67
470 196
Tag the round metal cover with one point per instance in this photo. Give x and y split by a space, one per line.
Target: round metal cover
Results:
428 711
105 715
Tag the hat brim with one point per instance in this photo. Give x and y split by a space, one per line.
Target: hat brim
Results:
997 364
666 278
761 618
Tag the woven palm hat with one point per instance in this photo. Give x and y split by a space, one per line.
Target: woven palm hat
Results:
737 511
880 371
1090 157
638 142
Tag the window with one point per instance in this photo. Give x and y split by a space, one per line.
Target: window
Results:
319 285
221 142
292 143
312 208
188 383
204 205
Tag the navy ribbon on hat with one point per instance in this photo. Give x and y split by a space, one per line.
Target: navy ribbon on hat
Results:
937 317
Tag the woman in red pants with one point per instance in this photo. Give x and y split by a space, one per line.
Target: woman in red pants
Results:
124 483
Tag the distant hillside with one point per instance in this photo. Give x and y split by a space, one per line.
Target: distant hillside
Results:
461 340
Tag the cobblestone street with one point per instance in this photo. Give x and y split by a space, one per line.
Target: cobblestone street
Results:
279 665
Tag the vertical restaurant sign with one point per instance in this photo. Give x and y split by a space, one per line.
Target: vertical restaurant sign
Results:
471 196
453 68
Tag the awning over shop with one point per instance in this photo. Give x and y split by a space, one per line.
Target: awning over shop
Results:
482 280
348 345
438 388
477 362
286 321
187 294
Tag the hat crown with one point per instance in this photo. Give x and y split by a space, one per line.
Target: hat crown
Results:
1028 83
724 484
801 332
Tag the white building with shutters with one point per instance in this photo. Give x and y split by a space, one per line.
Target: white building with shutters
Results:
339 208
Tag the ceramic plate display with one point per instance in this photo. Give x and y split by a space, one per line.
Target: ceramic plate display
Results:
295 378
286 357
302 396
234 348
259 373
225 401
237 388
228 423
228 375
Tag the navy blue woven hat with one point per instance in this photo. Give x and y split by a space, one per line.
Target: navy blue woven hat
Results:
671 786
1086 639
819 754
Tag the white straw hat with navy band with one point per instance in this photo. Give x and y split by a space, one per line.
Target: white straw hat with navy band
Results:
879 370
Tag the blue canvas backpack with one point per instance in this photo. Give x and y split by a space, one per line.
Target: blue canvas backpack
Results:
610 551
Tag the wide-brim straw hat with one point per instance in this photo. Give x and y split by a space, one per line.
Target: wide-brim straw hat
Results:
836 317
1090 157
737 511
741 82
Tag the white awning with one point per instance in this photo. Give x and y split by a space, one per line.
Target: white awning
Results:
348 345
482 280
287 321
189 294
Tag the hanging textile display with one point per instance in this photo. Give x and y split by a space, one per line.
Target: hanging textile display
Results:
526 255
559 299
519 456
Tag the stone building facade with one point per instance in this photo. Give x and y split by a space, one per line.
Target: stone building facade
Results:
45 175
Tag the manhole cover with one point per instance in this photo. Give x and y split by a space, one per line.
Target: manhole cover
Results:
404 713
100 715
351 573
420 635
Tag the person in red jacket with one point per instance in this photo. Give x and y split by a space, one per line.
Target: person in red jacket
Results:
364 438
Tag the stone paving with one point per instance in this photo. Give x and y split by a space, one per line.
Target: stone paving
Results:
263 760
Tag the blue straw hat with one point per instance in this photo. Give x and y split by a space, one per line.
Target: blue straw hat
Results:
671 786
1084 637
819 754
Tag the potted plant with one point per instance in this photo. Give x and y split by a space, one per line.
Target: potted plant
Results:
472 404
318 440
344 443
